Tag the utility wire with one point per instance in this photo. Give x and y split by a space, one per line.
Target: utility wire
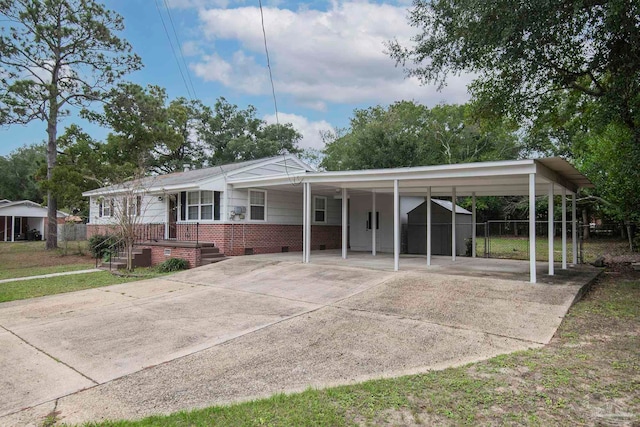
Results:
184 80
273 93
175 33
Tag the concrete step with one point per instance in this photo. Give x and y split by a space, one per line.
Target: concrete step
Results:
207 261
209 250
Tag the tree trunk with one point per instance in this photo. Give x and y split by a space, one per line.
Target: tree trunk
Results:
585 225
52 202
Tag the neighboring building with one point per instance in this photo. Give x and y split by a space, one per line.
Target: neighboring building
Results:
441 213
23 220
281 204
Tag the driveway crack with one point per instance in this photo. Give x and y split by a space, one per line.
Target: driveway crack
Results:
50 356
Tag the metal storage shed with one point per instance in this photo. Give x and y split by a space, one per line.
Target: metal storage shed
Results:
440 227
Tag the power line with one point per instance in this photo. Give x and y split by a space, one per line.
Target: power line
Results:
175 33
184 80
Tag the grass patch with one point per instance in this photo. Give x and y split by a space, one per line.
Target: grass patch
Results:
588 375
23 259
23 289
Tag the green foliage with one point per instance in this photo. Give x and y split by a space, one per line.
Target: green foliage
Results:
99 245
408 134
18 173
173 264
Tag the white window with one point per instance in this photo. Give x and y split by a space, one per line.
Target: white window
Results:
200 205
320 209
105 208
257 205
132 205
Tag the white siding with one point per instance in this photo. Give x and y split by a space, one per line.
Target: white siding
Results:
277 168
152 210
283 207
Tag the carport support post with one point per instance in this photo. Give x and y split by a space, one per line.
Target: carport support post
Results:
532 227
13 228
550 228
345 213
374 222
304 222
5 229
428 225
574 229
453 223
308 213
473 224
396 226
564 228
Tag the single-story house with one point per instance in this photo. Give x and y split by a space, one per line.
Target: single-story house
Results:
23 220
282 204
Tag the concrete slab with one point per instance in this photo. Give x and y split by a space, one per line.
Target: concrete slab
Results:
327 347
501 307
56 307
300 282
107 344
30 377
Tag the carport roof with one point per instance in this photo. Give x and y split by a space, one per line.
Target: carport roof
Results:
510 177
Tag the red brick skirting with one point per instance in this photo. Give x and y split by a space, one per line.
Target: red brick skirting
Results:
243 239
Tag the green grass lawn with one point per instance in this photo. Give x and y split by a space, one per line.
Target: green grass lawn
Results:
23 259
23 289
588 375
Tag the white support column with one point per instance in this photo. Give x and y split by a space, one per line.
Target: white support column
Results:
308 202
473 224
564 228
453 223
5 228
574 229
304 222
532 227
550 228
428 225
345 225
13 228
374 222
396 225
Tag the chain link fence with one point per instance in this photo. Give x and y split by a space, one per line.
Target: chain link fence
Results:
510 240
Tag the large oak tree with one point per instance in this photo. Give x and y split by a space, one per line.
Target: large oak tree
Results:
56 54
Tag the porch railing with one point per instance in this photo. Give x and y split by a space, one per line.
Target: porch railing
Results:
182 231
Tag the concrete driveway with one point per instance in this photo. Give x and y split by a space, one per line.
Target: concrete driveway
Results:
250 327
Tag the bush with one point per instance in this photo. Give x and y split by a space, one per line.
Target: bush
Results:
173 264
100 243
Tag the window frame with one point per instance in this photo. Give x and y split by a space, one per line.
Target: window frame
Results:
199 206
101 206
250 205
315 209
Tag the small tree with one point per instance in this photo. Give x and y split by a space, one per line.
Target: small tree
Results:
56 54
128 208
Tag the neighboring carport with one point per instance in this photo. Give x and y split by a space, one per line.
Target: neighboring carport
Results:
532 177
20 220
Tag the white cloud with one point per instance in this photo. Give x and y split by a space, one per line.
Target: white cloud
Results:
310 130
318 57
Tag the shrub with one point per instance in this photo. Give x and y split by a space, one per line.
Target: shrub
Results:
99 244
173 264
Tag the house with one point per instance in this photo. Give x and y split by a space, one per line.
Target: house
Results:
23 220
281 204
441 223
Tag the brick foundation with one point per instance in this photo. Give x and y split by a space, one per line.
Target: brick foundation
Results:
241 239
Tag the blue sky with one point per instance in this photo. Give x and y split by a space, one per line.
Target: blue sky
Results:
327 59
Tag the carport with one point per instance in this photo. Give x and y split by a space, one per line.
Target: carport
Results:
531 177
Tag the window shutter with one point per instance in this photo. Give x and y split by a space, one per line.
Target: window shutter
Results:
183 205
216 205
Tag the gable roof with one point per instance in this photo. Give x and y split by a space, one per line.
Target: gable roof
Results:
5 204
446 204
176 179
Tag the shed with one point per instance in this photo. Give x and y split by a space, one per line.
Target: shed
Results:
23 220
440 228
